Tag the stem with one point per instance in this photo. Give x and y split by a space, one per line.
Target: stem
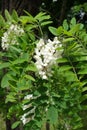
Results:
73 68
40 29
47 126
8 124
80 41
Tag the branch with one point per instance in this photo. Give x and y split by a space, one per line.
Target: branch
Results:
63 11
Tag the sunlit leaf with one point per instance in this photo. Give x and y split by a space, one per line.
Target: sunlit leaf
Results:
53 30
52 115
15 124
65 25
29 77
4 65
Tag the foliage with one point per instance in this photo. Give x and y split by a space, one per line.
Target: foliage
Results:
73 37
16 64
80 12
80 7
57 100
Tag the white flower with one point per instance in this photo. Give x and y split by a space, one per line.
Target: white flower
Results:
46 55
25 119
40 44
54 0
29 96
44 77
9 37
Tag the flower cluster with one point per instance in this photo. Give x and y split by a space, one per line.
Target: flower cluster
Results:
9 37
24 118
46 55
54 0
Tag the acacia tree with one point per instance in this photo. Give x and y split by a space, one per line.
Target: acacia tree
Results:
32 7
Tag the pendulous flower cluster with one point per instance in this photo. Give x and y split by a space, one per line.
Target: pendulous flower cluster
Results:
46 54
24 117
10 36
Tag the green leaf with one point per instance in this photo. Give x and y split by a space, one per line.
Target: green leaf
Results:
84 97
85 38
27 19
60 30
31 26
24 19
53 31
81 26
23 84
45 23
84 107
83 71
52 115
28 14
81 58
4 81
38 123
12 87
62 60
38 16
76 28
29 77
68 33
65 25
46 17
42 16
68 40
15 15
10 98
70 76
84 88
16 124
2 21
65 68
16 49
31 68
4 65
32 36
78 126
8 16
22 59
72 22
18 61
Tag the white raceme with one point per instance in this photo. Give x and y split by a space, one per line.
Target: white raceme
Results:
25 119
9 37
46 54
54 0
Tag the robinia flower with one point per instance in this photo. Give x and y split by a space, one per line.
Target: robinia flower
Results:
9 37
46 54
24 117
54 0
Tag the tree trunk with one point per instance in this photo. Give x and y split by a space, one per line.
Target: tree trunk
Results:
63 11
32 6
47 126
4 5
8 124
